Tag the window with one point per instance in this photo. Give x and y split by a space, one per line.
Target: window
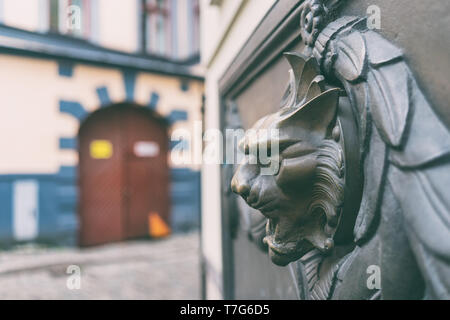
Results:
54 15
157 27
196 27
71 17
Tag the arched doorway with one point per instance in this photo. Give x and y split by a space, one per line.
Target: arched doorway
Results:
124 175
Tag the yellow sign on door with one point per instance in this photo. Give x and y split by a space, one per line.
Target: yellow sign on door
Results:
101 149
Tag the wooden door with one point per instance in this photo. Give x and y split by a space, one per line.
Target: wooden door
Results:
123 174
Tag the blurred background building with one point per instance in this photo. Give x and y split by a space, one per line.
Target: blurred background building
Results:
90 92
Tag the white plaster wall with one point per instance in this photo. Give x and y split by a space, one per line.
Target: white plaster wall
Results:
22 14
27 131
119 23
224 32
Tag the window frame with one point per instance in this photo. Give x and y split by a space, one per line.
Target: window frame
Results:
150 12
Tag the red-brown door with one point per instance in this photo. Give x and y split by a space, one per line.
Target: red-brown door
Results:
124 176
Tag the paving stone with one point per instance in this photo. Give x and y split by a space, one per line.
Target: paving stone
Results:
144 269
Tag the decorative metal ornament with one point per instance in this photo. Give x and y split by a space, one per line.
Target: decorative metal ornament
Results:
364 171
312 18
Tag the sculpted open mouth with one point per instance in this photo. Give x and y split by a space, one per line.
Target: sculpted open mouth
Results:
281 252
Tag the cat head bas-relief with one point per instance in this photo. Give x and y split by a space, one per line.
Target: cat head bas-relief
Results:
303 198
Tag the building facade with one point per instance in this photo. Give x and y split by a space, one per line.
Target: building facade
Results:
65 61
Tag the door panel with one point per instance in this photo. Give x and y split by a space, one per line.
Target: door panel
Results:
123 183
26 216
101 180
146 173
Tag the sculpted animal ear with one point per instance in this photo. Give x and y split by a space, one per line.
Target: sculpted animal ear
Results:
317 115
303 72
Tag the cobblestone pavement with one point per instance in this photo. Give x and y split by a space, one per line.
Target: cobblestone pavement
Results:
144 269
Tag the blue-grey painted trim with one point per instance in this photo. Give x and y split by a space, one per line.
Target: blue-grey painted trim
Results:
6 210
154 99
129 78
64 173
185 198
65 68
58 199
103 96
68 172
52 46
177 115
73 108
68 143
175 143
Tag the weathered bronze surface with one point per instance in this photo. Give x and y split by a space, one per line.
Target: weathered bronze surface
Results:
364 171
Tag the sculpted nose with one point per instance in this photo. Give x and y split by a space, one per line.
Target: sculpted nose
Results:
243 179
242 188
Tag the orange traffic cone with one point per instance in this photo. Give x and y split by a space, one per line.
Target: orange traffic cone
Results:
158 228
